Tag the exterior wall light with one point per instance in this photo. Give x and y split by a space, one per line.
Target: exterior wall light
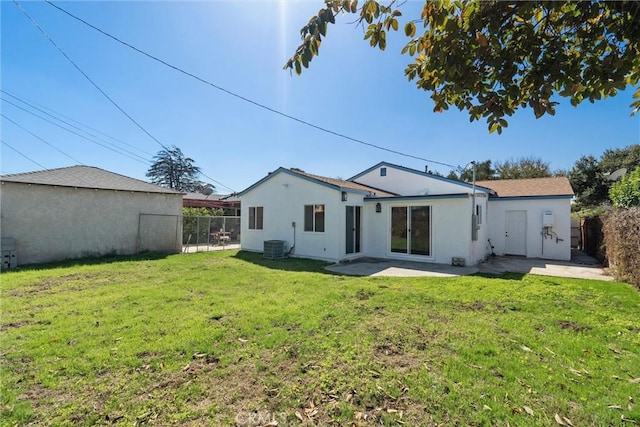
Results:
378 207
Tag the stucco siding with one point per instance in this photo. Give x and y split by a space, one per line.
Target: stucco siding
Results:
52 223
283 198
450 229
556 246
408 183
481 248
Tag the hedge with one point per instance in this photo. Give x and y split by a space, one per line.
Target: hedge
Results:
622 243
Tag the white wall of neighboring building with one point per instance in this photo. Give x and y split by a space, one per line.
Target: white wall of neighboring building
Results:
283 197
557 246
450 229
51 223
410 183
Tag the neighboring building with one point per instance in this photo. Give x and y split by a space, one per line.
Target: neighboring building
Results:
230 203
81 211
390 211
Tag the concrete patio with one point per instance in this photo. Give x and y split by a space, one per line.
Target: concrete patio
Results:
581 266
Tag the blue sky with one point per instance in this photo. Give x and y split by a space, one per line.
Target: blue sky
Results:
241 46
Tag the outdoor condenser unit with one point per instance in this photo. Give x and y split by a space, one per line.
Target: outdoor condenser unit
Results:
274 249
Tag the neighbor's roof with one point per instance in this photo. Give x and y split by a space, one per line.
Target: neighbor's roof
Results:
197 200
212 197
86 177
558 186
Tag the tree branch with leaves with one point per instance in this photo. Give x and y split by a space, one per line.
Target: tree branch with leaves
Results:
492 58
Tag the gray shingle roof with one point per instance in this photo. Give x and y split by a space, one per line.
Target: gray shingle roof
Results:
86 177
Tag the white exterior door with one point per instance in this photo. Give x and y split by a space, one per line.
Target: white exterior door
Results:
515 233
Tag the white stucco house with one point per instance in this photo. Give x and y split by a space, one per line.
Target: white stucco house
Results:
81 211
390 211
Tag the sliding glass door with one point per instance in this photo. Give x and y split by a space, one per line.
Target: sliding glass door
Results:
411 230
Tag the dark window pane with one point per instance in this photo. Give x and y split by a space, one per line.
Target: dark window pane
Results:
308 218
319 217
420 230
259 220
399 229
252 218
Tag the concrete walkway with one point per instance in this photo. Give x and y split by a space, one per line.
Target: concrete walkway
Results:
582 266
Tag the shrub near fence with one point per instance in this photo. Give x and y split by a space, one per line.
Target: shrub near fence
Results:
622 243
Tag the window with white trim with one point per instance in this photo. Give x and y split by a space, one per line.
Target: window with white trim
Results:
314 218
256 217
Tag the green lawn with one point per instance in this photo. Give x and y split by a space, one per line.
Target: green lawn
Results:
228 338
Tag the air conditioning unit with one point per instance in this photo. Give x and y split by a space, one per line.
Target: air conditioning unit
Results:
274 249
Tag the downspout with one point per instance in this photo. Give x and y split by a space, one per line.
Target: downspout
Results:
293 224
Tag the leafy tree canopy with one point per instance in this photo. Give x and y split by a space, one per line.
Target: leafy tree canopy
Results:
628 157
525 167
590 177
173 170
626 193
491 58
484 171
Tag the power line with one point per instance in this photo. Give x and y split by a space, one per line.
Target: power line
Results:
86 76
137 158
217 182
33 21
145 161
243 98
36 136
42 110
22 154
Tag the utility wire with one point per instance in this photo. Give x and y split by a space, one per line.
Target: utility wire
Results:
137 158
86 76
42 110
36 136
217 182
33 21
22 154
88 133
243 98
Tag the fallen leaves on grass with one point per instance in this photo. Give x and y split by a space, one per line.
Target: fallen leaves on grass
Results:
528 410
307 413
563 421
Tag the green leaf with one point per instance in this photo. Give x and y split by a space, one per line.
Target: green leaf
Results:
410 29
394 24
